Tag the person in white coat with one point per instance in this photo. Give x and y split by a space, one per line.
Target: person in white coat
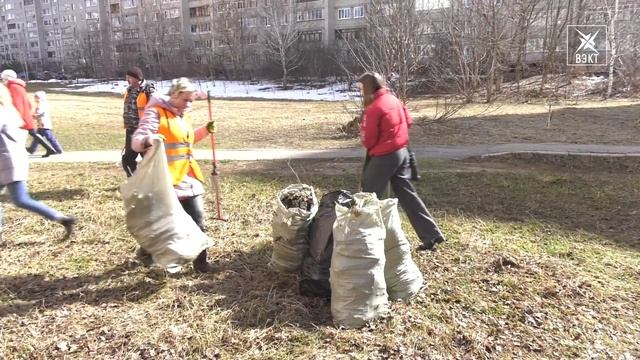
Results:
14 166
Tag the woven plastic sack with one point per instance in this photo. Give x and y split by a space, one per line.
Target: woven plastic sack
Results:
290 227
358 288
155 217
401 273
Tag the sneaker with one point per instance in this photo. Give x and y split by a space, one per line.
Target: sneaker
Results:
49 153
68 222
205 268
144 257
431 245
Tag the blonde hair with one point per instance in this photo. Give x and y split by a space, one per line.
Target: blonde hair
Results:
181 85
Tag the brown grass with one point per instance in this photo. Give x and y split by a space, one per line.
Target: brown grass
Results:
541 262
89 122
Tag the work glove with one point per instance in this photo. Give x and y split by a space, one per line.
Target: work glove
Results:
211 127
151 138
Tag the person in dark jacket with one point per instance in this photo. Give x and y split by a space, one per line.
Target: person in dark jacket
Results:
135 99
18 90
384 133
14 166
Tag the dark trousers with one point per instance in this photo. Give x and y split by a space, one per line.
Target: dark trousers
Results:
129 156
47 134
39 140
380 170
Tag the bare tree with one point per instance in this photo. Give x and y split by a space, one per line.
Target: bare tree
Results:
557 15
612 8
230 37
392 42
279 37
525 13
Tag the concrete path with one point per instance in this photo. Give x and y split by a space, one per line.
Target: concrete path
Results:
436 152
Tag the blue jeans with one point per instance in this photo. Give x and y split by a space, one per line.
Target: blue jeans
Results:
20 198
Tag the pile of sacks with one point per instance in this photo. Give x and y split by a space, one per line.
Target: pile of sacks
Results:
350 248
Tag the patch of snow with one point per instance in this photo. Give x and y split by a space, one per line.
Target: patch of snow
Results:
235 89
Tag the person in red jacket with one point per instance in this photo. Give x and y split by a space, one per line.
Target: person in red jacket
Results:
18 90
384 133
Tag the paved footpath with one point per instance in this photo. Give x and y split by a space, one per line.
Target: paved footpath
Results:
436 152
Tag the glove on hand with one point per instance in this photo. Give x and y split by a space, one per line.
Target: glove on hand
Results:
152 137
211 127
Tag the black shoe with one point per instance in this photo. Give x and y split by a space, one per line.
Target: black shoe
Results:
431 245
68 222
200 264
49 153
144 257
30 151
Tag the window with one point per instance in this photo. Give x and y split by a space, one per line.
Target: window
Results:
46 22
51 54
12 27
33 44
348 34
92 15
358 12
249 22
344 13
250 3
114 8
240 4
311 36
130 34
203 44
45 12
251 39
88 3
28 2
130 19
129 4
8 6
172 13
200 11
313 14
198 28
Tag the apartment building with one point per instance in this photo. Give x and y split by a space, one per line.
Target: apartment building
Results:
101 37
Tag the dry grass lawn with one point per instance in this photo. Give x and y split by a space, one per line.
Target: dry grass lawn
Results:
91 122
541 262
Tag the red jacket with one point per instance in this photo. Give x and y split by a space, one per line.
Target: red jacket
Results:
385 127
18 90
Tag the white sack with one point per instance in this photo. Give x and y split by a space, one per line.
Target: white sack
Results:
290 229
155 217
401 274
358 288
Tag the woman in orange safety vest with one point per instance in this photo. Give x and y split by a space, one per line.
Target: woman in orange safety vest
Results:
166 117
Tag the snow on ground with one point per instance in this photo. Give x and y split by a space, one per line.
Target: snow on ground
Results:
231 89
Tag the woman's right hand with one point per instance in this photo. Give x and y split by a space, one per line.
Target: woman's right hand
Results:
153 137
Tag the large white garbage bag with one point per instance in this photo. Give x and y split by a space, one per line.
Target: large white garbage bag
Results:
155 217
358 288
290 230
401 273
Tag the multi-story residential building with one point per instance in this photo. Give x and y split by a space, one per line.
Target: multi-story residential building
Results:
100 37
173 37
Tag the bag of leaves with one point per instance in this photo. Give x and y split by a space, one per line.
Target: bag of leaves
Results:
316 263
155 217
358 288
296 206
401 274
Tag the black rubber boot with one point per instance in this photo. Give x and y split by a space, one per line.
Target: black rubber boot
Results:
200 264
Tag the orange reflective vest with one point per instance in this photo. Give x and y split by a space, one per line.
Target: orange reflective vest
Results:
178 143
